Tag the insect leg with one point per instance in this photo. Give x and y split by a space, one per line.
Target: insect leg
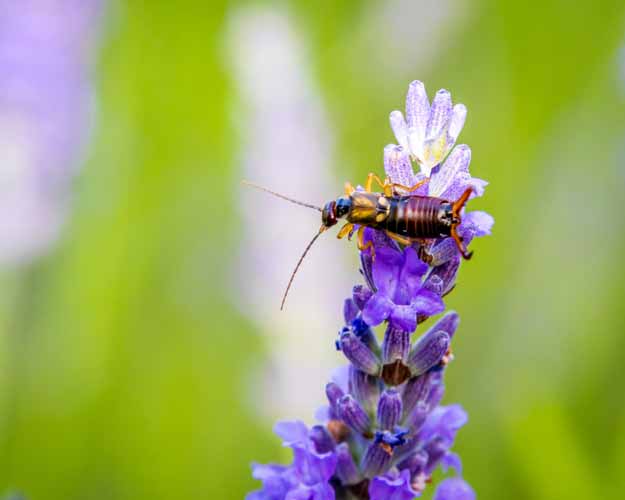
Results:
400 239
411 188
386 186
345 230
362 246
349 189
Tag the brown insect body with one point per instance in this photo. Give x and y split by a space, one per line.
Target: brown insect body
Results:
405 218
414 217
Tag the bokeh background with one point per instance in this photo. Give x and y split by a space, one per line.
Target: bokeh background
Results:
142 354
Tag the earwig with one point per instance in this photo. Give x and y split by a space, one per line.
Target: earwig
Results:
403 217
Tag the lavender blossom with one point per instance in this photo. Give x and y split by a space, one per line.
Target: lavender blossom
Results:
46 54
427 137
429 131
384 431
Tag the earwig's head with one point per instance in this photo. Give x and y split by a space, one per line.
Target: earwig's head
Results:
335 210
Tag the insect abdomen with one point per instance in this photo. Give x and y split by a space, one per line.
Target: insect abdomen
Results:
416 217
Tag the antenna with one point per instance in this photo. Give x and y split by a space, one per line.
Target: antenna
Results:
299 263
256 186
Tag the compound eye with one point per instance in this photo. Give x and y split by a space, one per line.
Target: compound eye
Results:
342 207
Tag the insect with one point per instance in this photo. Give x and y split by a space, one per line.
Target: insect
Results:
406 218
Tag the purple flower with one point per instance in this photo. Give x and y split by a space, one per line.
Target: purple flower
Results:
46 53
399 295
314 463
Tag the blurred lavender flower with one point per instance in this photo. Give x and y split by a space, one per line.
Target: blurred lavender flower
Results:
46 51
384 430
285 119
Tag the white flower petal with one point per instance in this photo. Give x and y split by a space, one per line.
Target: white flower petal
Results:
440 113
417 107
435 150
458 116
400 129
397 166
456 166
416 136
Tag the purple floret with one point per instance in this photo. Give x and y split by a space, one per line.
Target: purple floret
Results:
306 478
392 486
454 488
399 295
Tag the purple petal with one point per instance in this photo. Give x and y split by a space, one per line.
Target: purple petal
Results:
376 460
404 318
340 377
346 469
397 165
365 388
442 278
416 390
389 409
265 471
463 181
456 164
396 344
387 267
377 309
444 251
382 243
440 113
277 481
350 310
392 487
360 295
444 422
321 439
323 414
322 491
454 488
359 353
417 107
427 303
451 460
400 129
353 414
312 467
475 224
417 417
291 432
458 116
428 352
448 324
410 277
478 186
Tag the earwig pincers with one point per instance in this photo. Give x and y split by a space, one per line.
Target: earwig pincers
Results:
403 217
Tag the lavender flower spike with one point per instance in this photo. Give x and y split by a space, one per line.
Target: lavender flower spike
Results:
385 431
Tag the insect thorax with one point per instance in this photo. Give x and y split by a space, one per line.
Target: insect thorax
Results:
368 209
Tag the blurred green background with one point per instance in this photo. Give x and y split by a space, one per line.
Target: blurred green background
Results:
124 361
